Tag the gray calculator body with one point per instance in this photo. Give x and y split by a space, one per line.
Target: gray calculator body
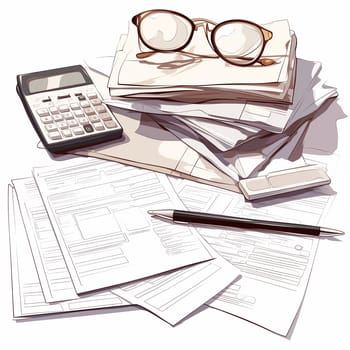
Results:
65 109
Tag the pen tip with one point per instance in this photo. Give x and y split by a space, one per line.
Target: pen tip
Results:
327 232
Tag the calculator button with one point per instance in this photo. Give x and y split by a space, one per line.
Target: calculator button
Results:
92 95
94 118
99 126
42 112
83 121
100 109
51 127
72 122
75 106
81 97
66 133
57 117
78 130
88 128
62 125
55 135
89 111
53 110
110 124
60 97
46 120
79 113
96 102
63 108
68 116
84 104
105 116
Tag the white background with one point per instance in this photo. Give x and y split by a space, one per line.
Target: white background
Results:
38 35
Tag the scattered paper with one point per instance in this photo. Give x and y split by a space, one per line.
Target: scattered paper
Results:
28 297
275 268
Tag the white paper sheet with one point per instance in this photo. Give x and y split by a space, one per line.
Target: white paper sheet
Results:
98 211
275 268
252 157
172 75
269 117
51 267
174 295
28 298
184 70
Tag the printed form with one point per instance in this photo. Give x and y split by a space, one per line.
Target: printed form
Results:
275 268
98 211
28 297
54 276
172 296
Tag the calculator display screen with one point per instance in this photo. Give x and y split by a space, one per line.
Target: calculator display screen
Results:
54 82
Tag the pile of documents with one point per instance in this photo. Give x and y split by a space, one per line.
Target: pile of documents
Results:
82 239
177 77
237 118
89 229
80 233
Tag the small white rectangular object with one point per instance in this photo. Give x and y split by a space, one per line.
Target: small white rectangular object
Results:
284 181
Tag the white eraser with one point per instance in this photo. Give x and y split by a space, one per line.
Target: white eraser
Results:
284 181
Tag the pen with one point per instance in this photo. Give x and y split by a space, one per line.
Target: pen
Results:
223 220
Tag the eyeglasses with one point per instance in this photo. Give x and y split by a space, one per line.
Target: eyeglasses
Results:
238 42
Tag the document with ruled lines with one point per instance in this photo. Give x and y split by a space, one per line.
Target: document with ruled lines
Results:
171 296
98 210
174 295
28 297
51 268
275 268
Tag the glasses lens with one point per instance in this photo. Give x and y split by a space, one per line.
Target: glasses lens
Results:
162 30
239 43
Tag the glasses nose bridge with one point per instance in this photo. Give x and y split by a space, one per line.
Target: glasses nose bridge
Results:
202 22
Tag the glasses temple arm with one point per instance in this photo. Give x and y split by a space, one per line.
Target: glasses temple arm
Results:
267 34
145 54
262 61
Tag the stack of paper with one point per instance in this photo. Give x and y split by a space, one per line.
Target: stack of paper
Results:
247 149
80 233
241 138
89 230
231 116
178 77
79 229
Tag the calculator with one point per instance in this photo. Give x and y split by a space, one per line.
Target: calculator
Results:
65 109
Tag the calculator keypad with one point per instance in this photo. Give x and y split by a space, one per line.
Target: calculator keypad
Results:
74 115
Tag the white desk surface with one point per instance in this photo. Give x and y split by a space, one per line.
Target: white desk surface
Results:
38 35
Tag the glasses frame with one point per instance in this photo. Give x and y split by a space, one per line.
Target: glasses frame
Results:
202 22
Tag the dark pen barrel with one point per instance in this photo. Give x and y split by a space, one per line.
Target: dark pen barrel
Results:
222 220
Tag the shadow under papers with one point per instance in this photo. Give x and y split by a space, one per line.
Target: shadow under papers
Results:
322 134
146 125
314 134
295 321
323 119
79 313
